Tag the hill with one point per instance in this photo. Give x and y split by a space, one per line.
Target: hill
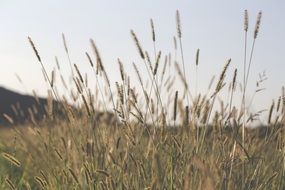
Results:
20 107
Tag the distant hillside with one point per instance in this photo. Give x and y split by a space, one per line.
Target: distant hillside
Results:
19 107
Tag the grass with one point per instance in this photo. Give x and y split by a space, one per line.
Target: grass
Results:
155 136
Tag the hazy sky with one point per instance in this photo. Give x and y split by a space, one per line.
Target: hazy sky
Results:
216 27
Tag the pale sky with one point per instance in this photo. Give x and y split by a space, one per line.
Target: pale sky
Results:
216 27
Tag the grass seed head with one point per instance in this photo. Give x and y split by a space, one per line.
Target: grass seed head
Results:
257 25
35 49
137 44
178 24
152 30
246 20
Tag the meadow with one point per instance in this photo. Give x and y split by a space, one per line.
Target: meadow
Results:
148 132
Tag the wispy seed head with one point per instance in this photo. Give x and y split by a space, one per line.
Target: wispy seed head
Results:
52 78
175 106
234 80
152 30
178 24
34 48
222 77
197 56
89 59
79 74
175 43
270 113
137 44
246 20
64 43
122 72
257 25
156 63
99 66
57 63
148 60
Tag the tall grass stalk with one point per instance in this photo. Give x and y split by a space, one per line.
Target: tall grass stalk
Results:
247 71
67 53
43 68
179 35
219 86
100 68
151 76
98 86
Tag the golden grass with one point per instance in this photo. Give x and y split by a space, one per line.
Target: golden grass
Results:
136 139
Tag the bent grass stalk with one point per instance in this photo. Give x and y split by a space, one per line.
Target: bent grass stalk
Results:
43 68
101 67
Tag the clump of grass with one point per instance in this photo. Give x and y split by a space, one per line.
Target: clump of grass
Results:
141 143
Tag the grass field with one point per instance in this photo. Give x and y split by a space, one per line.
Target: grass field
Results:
154 135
